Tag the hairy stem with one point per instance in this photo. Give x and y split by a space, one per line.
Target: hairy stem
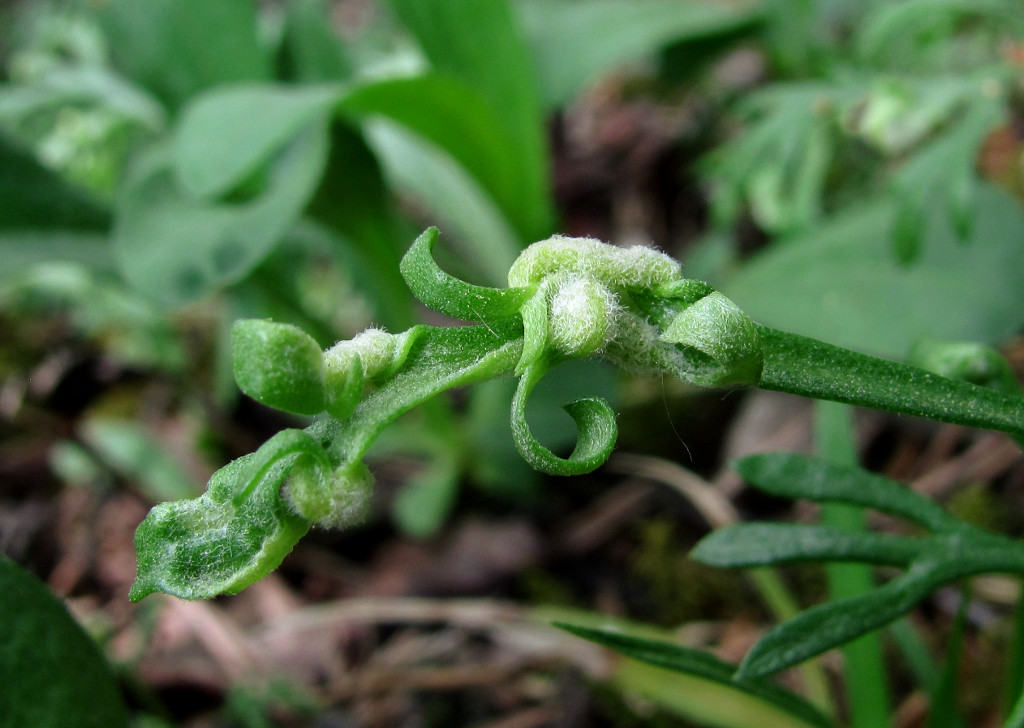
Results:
811 368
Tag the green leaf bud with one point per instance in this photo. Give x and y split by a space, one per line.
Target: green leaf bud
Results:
581 316
336 498
279 365
731 347
637 267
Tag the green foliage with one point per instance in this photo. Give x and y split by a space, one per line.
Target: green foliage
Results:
568 298
951 551
52 671
776 706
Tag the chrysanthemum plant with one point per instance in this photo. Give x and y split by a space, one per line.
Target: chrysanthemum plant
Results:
570 298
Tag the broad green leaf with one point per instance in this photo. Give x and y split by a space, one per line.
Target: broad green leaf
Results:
176 249
798 476
839 283
176 48
829 625
575 42
434 182
763 544
53 674
226 135
279 365
32 196
480 43
458 119
234 534
771 706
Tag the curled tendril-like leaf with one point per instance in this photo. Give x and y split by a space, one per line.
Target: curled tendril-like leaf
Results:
231 536
453 297
595 425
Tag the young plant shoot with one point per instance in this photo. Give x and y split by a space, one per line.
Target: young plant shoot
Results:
567 298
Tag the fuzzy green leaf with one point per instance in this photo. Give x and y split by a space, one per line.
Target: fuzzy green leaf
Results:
234 534
716 327
449 295
279 365
812 368
763 544
798 476
703 665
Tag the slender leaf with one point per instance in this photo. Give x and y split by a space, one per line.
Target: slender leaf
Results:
451 296
829 625
763 544
798 476
705 666
433 181
812 368
481 43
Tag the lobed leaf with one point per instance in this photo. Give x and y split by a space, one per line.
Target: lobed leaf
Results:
234 534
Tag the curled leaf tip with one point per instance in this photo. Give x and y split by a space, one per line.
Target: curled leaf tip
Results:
451 296
715 327
595 425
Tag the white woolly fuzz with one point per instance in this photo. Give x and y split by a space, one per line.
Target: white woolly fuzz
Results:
634 267
337 499
582 316
375 348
